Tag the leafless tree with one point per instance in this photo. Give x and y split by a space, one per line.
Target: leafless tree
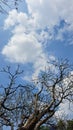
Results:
32 105
52 89
9 105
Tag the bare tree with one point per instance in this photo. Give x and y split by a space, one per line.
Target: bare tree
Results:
52 89
8 95
31 105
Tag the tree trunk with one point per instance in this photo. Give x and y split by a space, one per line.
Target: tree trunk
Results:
30 124
34 122
12 127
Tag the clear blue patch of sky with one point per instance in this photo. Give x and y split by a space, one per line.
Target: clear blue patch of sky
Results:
60 50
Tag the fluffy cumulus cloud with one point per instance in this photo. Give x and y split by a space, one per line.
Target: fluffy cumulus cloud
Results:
46 13
23 48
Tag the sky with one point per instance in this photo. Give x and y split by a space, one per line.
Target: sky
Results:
39 31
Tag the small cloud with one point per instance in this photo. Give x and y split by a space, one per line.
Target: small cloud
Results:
11 20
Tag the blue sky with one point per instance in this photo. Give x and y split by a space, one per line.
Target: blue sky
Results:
41 30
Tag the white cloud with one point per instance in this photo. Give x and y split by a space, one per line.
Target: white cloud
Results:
43 13
65 110
11 20
22 48
49 13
